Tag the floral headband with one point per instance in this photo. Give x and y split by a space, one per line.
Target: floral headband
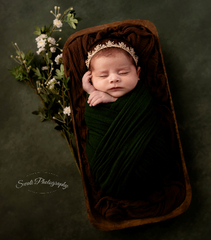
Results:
110 44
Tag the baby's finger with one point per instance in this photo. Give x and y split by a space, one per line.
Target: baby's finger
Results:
87 75
91 100
96 100
92 95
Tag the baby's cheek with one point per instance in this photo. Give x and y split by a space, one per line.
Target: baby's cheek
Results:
96 84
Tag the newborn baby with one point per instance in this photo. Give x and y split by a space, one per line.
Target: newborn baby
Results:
126 150
113 73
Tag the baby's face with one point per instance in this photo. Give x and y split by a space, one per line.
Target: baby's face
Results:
114 74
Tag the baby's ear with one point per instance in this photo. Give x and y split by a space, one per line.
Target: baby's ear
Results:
138 70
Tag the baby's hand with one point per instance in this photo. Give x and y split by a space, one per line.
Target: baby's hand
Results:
87 86
97 97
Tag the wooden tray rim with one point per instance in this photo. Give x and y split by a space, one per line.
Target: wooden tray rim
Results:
113 225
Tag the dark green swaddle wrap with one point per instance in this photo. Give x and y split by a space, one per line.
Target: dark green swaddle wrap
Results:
126 150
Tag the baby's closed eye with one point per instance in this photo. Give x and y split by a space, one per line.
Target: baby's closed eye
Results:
103 76
123 73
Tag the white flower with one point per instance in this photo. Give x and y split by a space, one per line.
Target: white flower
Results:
51 83
41 43
45 68
67 111
40 50
51 86
58 58
57 23
52 40
42 36
53 49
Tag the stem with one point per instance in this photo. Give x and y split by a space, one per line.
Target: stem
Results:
71 149
52 30
65 12
63 101
32 85
29 78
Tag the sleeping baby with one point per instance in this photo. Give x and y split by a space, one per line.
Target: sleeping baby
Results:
128 155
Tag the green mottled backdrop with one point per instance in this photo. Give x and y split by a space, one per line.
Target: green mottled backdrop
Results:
28 146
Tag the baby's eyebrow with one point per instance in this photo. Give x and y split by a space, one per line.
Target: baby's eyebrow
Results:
103 71
123 68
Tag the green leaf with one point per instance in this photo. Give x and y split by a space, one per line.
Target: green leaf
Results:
44 97
41 113
71 20
51 103
19 73
37 72
37 28
29 57
42 116
49 54
38 31
21 54
60 72
66 80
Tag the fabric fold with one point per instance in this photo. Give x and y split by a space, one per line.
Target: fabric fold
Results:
125 145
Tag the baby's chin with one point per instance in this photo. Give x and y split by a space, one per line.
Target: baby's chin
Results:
117 94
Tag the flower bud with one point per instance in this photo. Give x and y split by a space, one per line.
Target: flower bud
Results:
12 56
55 7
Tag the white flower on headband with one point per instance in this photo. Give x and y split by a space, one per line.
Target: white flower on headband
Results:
109 44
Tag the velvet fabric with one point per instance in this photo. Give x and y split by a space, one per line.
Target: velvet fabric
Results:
126 150
146 47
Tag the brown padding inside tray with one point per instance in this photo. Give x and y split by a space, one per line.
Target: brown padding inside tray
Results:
104 211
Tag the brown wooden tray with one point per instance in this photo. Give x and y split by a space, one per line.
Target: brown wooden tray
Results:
95 218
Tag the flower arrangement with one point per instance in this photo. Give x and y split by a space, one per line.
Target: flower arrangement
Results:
45 74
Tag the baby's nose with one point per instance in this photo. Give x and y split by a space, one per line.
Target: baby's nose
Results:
114 78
